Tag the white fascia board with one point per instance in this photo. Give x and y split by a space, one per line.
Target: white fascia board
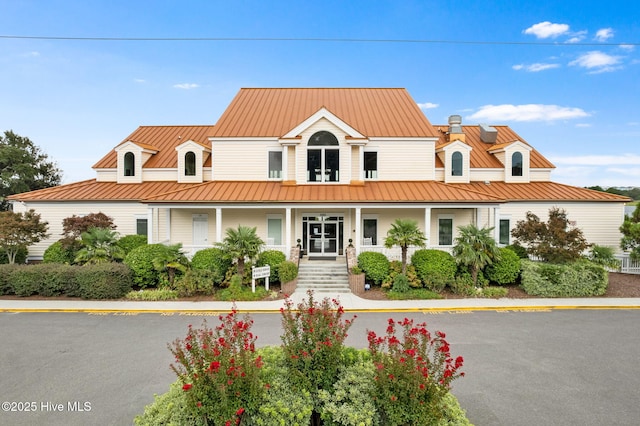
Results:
402 139
190 144
320 114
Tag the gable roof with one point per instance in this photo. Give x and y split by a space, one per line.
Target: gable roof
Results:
374 112
164 139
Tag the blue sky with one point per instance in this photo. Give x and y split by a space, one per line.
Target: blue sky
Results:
565 75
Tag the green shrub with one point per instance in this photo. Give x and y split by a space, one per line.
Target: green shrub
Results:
414 294
375 266
26 280
214 260
395 268
59 253
400 284
351 401
452 413
436 268
130 242
56 279
506 270
463 285
194 282
152 295
273 258
103 280
493 292
288 271
605 256
238 291
169 409
519 250
21 256
140 260
577 279
6 278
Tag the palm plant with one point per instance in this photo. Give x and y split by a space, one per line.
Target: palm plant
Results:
405 233
240 244
171 261
475 248
99 245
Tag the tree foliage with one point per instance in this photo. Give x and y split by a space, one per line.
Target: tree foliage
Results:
99 245
631 234
404 233
475 248
23 167
241 243
554 241
73 227
20 230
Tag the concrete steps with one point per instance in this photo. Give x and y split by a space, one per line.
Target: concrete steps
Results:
323 276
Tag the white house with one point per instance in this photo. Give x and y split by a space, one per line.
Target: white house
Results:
323 166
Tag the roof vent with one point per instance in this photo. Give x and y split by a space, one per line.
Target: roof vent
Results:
488 134
455 124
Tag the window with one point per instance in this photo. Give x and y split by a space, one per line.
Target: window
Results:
370 165
190 164
516 164
141 226
275 164
274 231
505 228
129 164
323 163
456 164
370 232
445 231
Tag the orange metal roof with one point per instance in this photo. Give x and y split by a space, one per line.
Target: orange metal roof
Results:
540 191
164 139
382 112
481 158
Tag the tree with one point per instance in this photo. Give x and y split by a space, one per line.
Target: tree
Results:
554 241
241 243
23 167
404 233
631 234
171 261
475 248
73 227
19 231
99 245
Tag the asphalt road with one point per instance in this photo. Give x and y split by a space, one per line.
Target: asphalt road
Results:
562 367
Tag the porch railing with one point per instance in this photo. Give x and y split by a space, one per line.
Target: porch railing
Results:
395 253
628 265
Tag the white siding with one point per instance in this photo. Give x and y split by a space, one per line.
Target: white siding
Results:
404 159
242 159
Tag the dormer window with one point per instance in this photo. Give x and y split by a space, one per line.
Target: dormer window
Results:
275 164
456 164
190 164
370 165
129 164
323 158
516 164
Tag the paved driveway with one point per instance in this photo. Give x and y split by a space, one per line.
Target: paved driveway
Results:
523 368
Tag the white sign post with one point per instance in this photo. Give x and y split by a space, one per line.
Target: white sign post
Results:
260 272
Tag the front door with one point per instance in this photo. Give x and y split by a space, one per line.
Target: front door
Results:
322 238
200 228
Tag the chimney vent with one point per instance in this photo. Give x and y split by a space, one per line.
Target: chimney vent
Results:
455 124
488 134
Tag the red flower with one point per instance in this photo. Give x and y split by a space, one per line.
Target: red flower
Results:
187 386
240 411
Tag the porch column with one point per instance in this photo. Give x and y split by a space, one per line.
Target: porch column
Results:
427 225
168 225
218 224
150 225
496 224
357 225
287 231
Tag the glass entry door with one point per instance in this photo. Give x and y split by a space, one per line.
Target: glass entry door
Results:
322 238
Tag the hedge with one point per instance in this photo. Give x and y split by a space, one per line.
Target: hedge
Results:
435 268
140 260
58 253
274 259
374 265
506 270
577 279
214 260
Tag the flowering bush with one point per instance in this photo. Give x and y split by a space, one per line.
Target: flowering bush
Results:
313 341
413 375
219 370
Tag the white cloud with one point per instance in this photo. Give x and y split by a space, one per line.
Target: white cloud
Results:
604 34
427 105
577 37
186 86
535 67
627 47
598 160
547 29
140 80
583 125
597 62
528 112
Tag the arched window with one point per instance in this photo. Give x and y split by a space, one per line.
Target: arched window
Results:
190 164
516 164
129 164
456 164
323 161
